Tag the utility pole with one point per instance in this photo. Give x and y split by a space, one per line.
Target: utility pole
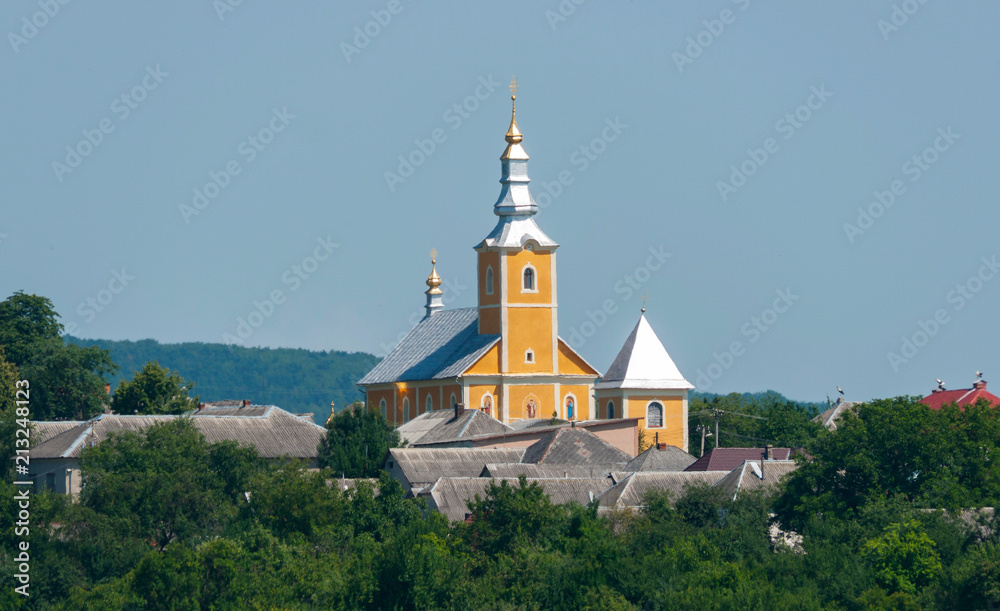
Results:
717 414
703 429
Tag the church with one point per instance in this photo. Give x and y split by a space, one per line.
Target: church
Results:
505 356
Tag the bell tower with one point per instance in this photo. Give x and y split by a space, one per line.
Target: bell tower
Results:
517 270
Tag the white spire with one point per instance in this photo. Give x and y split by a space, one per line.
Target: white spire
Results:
515 206
643 363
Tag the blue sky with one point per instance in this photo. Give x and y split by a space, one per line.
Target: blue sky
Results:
171 169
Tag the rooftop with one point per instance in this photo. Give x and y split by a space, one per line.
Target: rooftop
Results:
667 458
727 459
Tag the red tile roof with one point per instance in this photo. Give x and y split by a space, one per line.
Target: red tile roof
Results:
964 396
727 459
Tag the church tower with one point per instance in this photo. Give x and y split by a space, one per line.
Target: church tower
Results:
503 356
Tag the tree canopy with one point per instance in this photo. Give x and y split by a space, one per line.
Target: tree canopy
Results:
154 390
67 381
356 441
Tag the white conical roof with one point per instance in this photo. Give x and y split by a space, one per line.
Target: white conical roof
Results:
643 363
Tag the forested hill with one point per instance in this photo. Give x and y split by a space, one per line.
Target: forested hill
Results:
294 379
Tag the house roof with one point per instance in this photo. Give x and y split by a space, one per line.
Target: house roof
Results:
830 417
631 491
426 465
727 459
964 396
42 431
643 363
271 430
444 427
450 495
533 471
440 346
670 458
754 475
573 446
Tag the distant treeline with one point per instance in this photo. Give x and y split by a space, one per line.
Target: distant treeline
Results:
292 378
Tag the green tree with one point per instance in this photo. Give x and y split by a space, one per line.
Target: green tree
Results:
67 381
162 481
25 322
356 441
903 558
154 390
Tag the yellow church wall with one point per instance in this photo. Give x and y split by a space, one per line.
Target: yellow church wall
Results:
488 364
570 362
403 391
672 431
582 394
476 397
373 399
541 393
490 321
487 260
542 262
529 328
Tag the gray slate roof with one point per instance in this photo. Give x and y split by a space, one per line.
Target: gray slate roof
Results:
830 417
630 492
41 431
748 476
439 347
442 427
271 430
426 465
450 495
727 459
573 446
533 471
670 458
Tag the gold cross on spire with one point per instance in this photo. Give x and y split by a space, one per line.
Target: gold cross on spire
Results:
644 302
513 87
434 255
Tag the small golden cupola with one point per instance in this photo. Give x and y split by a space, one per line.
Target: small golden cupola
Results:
434 292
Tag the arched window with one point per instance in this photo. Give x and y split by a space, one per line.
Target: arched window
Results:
489 280
529 356
382 408
406 409
570 407
654 415
611 410
528 279
454 401
429 404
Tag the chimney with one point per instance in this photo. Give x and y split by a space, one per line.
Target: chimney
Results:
979 384
768 452
459 410
661 446
246 402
